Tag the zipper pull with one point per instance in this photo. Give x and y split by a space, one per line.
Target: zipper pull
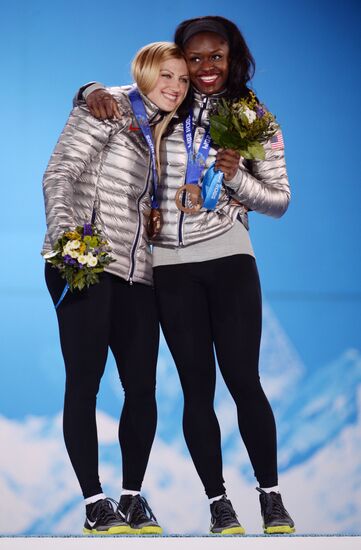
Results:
130 280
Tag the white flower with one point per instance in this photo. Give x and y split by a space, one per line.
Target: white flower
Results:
67 248
251 115
73 244
50 254
91 260
82 259
70 248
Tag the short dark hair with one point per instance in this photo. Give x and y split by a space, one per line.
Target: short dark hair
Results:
242 64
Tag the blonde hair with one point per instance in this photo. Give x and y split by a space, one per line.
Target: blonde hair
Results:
145 70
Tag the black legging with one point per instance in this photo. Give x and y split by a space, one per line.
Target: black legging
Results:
218 302
109 314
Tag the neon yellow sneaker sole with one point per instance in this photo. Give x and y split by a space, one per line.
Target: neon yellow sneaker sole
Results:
150 530
231 531
119 530
279 530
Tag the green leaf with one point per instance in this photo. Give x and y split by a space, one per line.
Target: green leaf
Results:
80 284
235 122
256 151
217 137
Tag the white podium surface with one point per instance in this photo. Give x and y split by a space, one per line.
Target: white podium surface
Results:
280 542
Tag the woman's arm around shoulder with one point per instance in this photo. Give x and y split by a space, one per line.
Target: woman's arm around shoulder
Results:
103 102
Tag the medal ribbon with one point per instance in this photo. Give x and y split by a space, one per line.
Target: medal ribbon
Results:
212 181
196 162
211 187
142 119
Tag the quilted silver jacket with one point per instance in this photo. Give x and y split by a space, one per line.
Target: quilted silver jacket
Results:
104 166
260 185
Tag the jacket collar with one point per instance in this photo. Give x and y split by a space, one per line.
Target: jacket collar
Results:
214 97
203 104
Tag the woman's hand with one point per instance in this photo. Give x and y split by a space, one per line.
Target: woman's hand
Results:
227 160
103 105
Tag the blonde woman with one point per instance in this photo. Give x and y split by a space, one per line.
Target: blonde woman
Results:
107 172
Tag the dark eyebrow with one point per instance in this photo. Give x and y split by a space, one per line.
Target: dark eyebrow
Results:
218 50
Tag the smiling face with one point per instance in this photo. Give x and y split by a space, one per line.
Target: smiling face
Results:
171 86
207 55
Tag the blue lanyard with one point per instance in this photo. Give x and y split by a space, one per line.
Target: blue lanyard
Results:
212 181
211 187
142 119
65 290
197 162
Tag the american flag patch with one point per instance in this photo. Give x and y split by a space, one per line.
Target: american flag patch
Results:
277 141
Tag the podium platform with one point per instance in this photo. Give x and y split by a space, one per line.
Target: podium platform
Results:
174 542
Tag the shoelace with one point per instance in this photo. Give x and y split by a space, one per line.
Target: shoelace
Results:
138 510
223 511
103 509
274 505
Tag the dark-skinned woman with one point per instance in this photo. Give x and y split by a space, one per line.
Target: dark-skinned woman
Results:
206 279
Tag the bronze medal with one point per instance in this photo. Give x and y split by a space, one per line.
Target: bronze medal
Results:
188 198
154 223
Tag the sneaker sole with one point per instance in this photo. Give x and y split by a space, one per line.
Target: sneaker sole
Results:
230 531
279 529
150 530
112 531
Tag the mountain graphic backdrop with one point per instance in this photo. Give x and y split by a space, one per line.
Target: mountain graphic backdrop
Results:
319 433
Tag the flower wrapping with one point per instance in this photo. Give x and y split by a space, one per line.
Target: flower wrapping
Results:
80 256
243 125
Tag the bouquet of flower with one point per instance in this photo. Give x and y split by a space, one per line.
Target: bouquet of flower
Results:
80 256
243 125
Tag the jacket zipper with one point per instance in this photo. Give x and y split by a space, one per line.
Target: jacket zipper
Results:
200 114
198 123
136 240
180 227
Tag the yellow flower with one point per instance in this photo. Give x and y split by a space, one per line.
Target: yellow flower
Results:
72 235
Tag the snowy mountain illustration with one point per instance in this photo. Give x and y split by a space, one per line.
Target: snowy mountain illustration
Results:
319 433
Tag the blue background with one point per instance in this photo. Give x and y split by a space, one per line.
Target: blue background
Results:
307 72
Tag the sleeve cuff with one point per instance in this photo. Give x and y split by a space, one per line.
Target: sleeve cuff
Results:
86 91
235 183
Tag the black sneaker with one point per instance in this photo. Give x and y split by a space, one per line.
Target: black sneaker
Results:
103 519
224 519
276 519
136 511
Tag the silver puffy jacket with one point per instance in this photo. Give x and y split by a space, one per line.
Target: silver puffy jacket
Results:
260 185
105 166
